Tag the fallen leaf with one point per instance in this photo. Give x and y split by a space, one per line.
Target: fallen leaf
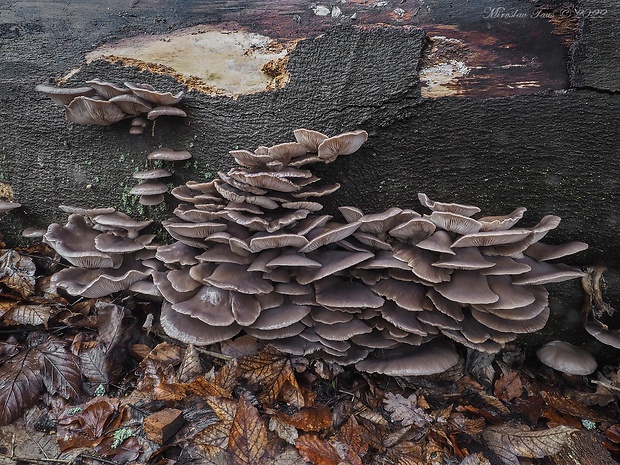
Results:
283 430
317 451
7 350
315 418
352 434
569 406
509 386
158 366
475 459
93 365
33 315
20 385
17 272
191 366
87 425
268 370
248 435
510 441
405 410
61 373
225 409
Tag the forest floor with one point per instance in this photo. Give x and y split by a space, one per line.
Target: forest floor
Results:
96 381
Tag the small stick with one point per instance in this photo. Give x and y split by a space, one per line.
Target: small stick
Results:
606 385
99 459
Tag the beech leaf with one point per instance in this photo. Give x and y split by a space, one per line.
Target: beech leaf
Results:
315 418
92 363
61 373
190 367
510 441
33 315
270 370
20 385
248 435
283 430
317 451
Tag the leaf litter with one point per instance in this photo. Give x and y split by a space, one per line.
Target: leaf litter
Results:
78 378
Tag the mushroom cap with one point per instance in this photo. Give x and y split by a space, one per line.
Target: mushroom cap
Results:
210 305
168 154
467 287
489 238
428 359
165 111
342 144
131 105
237 278
157 173
566 358
86 110
148 93
542 252
603 334
454 222
191 330
497 223
8 206
177 252
149 188
107 90
439 241
331 262
415 229
464 258
328 234
63 95
545 273
311 139
459 209
150 200
336 292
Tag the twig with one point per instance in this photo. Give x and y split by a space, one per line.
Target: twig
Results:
102 460
39 459
215 354
606 385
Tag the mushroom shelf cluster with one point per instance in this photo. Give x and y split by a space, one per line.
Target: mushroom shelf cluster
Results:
105 103
388 292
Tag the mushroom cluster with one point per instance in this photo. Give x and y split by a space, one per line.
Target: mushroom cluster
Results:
253 253
105 103
107 252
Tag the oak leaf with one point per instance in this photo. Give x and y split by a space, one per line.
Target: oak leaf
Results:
248 435
405 410
510 441
20 384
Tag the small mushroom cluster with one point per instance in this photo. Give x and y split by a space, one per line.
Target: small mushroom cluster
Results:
105 103
151 189
253 253
107 252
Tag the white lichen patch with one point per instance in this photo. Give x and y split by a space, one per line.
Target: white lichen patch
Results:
440 79
229 62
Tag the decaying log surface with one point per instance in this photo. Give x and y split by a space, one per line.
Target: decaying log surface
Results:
468 103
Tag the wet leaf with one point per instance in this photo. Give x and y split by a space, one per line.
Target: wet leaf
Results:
33 315
61 373
20 385
405 410
475 459
93 365
569 406
8 350
352 434
510 441
191 366
317 451
508 387
248 435
158 366
17 272
225 409
127 451
211 441
203 388
88 427
315 418
283 430
270 370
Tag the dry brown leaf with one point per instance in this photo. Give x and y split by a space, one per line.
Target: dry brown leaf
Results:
352 434
407 453
475 459
33 315
317 451
283 430
61 373
225 409
20 385
510 441
227 378
158 366
569 406
405 410
508 386
293 396
191 366
203 388
17 272
315 418
240 347
248 435
269 370
6 305
374 417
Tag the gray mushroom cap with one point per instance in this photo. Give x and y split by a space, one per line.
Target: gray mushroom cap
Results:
8 206
342 144
165 111
428 359
459 209
107 90
566 358
86 110
603 334
148 93
131 105
63 95
311 139
168 154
